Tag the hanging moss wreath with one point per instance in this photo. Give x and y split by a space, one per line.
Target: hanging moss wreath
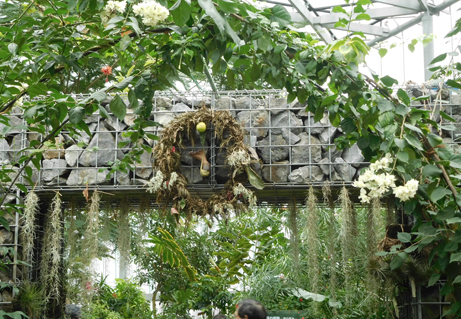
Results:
171 186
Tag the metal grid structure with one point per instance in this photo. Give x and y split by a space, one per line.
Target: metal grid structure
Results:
295 152
428 303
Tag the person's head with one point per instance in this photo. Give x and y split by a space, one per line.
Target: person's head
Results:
250 309
220 316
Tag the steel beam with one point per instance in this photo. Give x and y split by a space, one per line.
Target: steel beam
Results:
359 27
407 4
373 13
412 22
308 18
429 48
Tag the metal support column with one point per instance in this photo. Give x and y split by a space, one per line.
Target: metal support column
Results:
429 48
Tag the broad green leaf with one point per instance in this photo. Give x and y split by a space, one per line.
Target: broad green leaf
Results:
439 193
403 156
434 278
412 140
446 116
404 237
125 42
37 89
5 223
400 143
118 107
455 257
76 114
181 14
134 104
363 16
254 178
413 128
382 52
403 96
385 105
396 262
280 15
454 84
439 58
388 81
431 170
402 110
122 85
457 279
434 140
339 9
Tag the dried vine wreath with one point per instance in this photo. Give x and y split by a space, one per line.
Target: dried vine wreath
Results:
171 186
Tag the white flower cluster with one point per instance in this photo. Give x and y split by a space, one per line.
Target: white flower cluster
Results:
374 185
173 178
111 9
19 102
406 191
239 189
238 157
155 183
151 11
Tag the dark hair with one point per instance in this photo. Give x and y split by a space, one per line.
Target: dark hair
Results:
251 308
220 316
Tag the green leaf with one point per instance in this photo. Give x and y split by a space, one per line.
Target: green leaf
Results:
403 96
134 104
280 48
413 128
339 9
454 84
439 193
22 187
5 223
363 16
122 85
455 257
431 170
400 143
404 237
412 140
403 156
254 179
402 110
388 81
446 116
457 279
434 140
385 105
280 15
37 89
118 107
181 14
125 42
396 262
382 52
439 58
434 278
76 114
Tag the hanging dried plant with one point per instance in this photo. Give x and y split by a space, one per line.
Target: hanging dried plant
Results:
90 241
143 214
124 232
348 235
390 211
51 252
312 239
373 226
332 237
294 238
29 226
71 241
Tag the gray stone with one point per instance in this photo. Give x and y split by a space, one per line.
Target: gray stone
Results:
353 155
331 152
5 157
307 150
290 137
454 147
306 174
58 152
144 169
345 171
72 154
138 181
123 178
17 145
325 166
93 118
250 140
129 119
53 168
163 118
328 135
257 120
114 124
11 128
302 114
225 103
286 119
276 105
73 311
273 149
90 176
180 108
162 103
35 178
57 181
316 127
6 237
276 173
101 150
245 103
192 174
